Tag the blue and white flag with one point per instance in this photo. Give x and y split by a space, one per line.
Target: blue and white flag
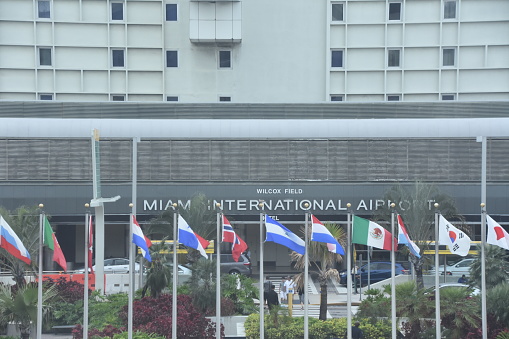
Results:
281 235
321 234
188 237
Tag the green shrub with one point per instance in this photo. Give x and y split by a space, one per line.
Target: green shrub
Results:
137 335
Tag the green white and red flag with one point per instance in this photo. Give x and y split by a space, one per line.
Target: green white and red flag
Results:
369 233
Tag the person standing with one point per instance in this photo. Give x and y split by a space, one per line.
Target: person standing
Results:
282 290
301 297
356 331
272 298
289 286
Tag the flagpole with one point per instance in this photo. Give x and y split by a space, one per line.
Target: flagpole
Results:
175 274
85 288
483 238
437 282
393 274
131 276
39 285
218 269
349 273
262 299
306 273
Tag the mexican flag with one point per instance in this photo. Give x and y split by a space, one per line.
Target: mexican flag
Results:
51 241
369 233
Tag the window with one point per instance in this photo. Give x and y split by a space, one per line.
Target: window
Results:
447 96
117 11
118 57
45 96
395 11
448 56
172 98
225 59
171 12
225 99
337 12
335 97
44 56
450 9
393 58
337 58
393 97
117 98
172 59
43 9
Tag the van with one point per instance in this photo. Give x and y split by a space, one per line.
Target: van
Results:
230 266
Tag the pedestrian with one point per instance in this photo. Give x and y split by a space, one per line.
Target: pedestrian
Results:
300 290
272 297
356 278
356 331
463 279
282 290
289 287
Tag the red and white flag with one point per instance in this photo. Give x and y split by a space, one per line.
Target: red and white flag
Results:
496 234
229 235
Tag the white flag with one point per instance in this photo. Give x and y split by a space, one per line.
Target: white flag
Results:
457 241
496 234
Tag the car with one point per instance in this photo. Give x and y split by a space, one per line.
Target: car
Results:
378 271
473 290
230 266
115 265
459 268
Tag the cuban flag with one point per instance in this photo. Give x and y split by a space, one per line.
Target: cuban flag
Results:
11 243
321 234
281 235
228 232
404 239
140 240
188 237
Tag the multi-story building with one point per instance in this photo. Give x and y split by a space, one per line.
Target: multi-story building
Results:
264 51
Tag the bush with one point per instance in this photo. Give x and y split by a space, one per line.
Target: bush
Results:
137 335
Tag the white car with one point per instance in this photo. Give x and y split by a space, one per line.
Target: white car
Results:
459 268
475 290
115 265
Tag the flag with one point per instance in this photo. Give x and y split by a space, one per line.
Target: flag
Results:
10 241
283 236
496 234
204 243
369 233
228 232
404 239
140 239
51 241
90 244
229 235
321 234
188 237
457 241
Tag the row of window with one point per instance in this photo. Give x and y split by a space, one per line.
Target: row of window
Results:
117 10
394 10
391 97
394 57
120 97
118 58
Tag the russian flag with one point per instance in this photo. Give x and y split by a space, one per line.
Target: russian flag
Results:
321 234
11 243
188 237
140 240
404 239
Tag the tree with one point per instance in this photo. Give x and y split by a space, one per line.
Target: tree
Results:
202 285
415 205
323 261
496 261
20 305
200 216
159 275
24 221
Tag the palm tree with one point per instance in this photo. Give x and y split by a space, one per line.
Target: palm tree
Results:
202 285
20 306
323 261
414 204
24 221
159 275
496 261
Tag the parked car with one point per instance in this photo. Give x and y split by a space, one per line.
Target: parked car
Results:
115 265
459 268
230 266
473 290
378 271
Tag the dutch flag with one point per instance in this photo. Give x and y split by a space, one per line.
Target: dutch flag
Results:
140 240
321 234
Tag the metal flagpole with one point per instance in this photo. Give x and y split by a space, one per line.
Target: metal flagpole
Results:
218 269
39 285
306 272
349 273
85 289
262 299
437 282
483 240
131 276
175 275
393 273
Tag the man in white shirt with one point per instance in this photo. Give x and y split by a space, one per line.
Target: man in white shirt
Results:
289 286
